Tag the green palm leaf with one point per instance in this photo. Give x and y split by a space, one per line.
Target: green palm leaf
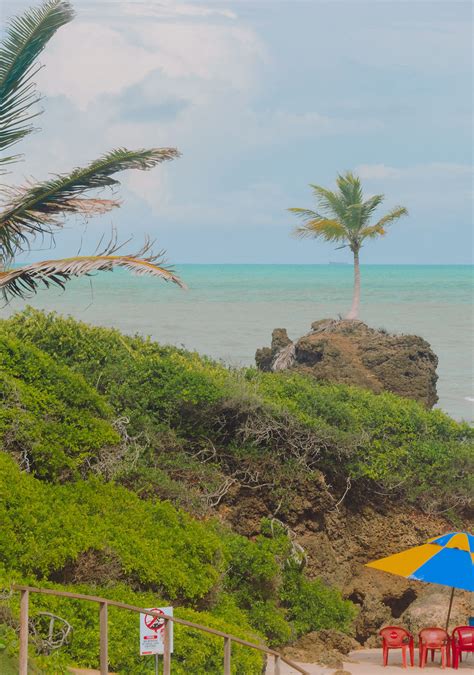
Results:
39 209
26 37
350 188
392 216
329 202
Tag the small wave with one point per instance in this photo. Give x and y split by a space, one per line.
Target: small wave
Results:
469 398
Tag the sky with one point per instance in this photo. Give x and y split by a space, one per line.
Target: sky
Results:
261 99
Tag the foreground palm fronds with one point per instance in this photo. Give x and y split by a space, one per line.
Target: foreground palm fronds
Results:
26 280
39 209
25 39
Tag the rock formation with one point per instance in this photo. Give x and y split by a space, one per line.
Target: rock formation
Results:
350 352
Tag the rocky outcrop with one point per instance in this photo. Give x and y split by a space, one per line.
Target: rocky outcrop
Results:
326 647
338 542
350 352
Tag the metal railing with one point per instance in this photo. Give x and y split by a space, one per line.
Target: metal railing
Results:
104 603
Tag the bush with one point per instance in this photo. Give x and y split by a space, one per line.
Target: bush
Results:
102 533
395 443
45 528
313 606
50 417
194 651
141 379
380 441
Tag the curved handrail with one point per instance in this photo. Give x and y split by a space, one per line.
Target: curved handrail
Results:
104 602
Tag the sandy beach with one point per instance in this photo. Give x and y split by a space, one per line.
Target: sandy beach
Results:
369 662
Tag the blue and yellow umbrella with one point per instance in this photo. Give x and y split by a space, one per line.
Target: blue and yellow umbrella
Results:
447 560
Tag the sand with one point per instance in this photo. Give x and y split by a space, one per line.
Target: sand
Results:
369 662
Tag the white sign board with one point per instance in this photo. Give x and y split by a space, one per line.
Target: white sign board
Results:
152 632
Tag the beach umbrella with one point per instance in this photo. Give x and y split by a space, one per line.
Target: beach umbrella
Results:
447 560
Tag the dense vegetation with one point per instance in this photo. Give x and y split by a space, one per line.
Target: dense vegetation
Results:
110 441
175 409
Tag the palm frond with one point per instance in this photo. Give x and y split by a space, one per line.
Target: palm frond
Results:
329 202
305 213
26 37
350 188
372 231
393 215
38 209
25 281
330 230
370 206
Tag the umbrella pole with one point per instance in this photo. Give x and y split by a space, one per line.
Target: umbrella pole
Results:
449 610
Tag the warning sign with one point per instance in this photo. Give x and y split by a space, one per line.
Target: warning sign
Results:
152 631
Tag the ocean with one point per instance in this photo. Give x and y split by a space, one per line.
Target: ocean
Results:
230 310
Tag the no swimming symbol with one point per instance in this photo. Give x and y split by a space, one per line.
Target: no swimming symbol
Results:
154 622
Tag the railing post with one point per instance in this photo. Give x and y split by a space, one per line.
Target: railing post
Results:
277 665
167 648
227 655
104 645
23 665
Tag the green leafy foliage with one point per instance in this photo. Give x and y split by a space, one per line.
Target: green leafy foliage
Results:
194 651
49 416
313 606
40 533
396 443
149 383
190 424
63 532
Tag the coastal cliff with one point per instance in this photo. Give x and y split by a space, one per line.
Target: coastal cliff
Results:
350 352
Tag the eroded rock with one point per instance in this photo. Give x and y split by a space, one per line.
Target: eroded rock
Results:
327 647
350 352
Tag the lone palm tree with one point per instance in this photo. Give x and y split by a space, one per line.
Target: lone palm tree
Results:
38 209
344 217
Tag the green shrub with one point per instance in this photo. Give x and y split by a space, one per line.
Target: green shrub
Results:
271 620
46 527
49 416
394 443
141 379
378 440
52 532
194 651
313 606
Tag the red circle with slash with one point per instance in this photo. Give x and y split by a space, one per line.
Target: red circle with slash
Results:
154 622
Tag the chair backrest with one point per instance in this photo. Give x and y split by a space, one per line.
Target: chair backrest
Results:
464 635
395 636
433 636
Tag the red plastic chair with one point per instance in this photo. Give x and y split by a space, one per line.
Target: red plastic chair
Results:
434 639
396 637
462 641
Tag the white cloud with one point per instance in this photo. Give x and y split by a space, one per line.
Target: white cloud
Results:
92 58
170 8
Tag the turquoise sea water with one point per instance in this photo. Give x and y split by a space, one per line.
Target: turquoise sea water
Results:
230 310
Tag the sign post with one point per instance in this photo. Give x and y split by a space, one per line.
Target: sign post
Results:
152 633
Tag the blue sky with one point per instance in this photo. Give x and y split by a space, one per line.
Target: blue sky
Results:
263 98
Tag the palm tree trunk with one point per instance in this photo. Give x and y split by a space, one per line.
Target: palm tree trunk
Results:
354 310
